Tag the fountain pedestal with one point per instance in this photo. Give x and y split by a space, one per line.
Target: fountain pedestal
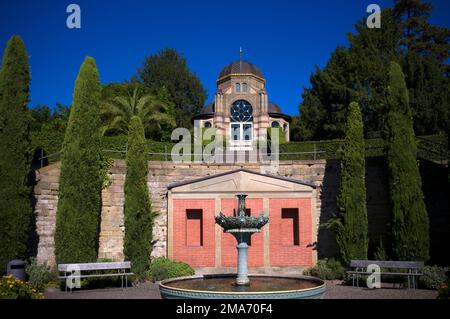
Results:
242 236
242 277
242 227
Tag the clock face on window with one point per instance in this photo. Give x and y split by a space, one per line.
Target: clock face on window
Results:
241 111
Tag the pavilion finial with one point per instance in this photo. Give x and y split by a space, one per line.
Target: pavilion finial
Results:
240 53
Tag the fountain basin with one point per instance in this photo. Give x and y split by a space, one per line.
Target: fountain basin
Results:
223 286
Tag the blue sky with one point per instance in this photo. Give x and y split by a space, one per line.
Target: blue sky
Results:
285 38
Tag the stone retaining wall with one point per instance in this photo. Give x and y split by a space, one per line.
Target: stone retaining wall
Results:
322 173
161 174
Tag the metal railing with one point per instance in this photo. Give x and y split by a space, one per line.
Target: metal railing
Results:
436 151
166 156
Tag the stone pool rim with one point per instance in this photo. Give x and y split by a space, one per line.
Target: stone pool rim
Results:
321 286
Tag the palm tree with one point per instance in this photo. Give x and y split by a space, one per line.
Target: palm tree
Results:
155 114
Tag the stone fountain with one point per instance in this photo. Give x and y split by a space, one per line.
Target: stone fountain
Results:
242 227
242 285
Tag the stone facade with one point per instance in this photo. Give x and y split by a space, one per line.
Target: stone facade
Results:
324 174
112 225
161 174
46 203
242 81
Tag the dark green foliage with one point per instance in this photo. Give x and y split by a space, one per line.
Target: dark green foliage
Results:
352 231
412 16
79 205
162 268
429 93
410 225
357 73
418 35
49 121
360 71
15 209
295 129
39 275
380 252
169 69
121 102
138 213
433 277
326 269
326 149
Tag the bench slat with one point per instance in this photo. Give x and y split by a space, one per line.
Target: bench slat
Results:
388 264
97 275
97 266
384 273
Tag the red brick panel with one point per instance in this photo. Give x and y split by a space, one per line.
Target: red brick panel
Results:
228 242
283 228
194 227
186 246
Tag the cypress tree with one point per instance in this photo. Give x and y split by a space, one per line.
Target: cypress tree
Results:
15 209
410 225
352 233
79 205
138 213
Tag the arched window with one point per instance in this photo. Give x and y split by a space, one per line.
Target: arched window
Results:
238 87
241 118
207 124
244 87
285 127
275 124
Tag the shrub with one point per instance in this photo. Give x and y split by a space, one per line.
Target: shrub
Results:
327 269
352 230
163 268
444 291
39 275
15 209
137 208
79 204
433 277
11 288
409 221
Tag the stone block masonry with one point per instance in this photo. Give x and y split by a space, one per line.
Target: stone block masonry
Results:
323 174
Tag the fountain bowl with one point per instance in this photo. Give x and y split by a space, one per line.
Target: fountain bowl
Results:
220 286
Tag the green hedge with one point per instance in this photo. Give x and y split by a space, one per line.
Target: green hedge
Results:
326 269
137 207
433 277
162 268
326 149
79 205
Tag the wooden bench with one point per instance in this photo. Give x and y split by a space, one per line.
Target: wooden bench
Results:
69 270
413 269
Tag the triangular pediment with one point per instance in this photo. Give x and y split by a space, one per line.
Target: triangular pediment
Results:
241 181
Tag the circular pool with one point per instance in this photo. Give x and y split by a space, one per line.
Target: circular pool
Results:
261 287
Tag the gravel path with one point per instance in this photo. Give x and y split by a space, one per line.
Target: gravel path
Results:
147 290
335 290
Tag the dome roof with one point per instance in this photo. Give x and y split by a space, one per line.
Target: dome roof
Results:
208 109
274 108
241 67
